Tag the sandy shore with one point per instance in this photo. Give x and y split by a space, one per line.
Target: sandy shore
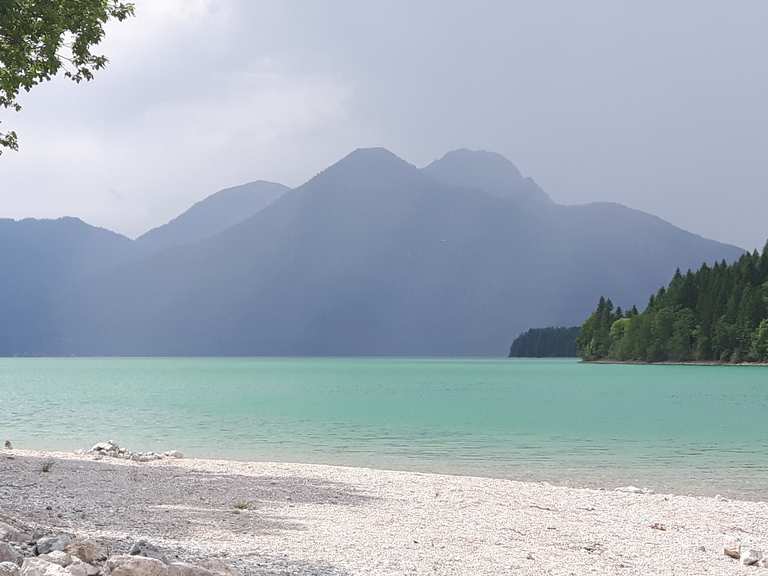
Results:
296 519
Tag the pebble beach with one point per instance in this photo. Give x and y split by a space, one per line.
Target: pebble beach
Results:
297 519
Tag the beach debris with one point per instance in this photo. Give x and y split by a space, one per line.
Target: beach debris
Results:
9 569
633 490
56 542
751 557
659 526
147 550
113 450
732 548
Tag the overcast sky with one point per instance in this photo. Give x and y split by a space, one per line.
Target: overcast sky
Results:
659 105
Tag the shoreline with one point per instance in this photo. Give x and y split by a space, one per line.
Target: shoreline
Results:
306 519
670 363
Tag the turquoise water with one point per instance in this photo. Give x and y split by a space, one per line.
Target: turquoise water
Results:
680 428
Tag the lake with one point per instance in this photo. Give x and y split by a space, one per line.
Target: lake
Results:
693 429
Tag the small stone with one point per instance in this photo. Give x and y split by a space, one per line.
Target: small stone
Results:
124 565
732 548
87 550
50 543
763 562
751 557
147 550
39 567
10 534
9 569
659 526
9 554
173 454
218 567
184 569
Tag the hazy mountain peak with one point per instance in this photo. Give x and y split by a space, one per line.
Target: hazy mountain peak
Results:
214 214
484 170
369 168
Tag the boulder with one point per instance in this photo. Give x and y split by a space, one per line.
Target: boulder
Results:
751 557
9 569
732 548
148 550
9 554
40 567
88 551
184 569
48 544
57 557
80 568
127 565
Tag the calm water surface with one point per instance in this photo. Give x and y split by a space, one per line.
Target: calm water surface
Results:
679 428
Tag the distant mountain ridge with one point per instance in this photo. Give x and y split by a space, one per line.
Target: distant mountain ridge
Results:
213 214
373 256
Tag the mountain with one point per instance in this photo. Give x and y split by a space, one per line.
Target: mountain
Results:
40 260
377 256
486 171
214 214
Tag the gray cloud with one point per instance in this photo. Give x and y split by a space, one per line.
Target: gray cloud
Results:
657 105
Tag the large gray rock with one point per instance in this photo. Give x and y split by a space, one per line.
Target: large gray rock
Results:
80 568
57 557
40 567
48 544
9 569
148 550
127 565
9 554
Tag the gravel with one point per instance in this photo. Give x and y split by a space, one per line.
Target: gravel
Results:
298 519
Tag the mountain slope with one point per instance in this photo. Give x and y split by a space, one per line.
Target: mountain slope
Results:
374 256
214 214
41 259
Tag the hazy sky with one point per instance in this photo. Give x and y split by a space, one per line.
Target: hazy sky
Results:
659 105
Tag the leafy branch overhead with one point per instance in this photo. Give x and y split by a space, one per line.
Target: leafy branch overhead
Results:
40 38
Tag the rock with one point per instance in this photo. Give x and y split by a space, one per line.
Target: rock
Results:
80 568
173 454
10 534
126 565
88 551
751 557
48 544
764 562
9 554
218 568
8 445
39 567
184 569
732 548
148 550
105 447
9 569
633 490
57 557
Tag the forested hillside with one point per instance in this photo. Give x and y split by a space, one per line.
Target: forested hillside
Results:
718 314
553 342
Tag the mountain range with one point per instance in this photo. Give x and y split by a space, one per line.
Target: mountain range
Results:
373 256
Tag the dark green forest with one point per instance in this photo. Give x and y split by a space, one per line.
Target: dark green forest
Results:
717 314
556 342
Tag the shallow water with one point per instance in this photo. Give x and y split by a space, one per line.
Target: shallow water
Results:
672 428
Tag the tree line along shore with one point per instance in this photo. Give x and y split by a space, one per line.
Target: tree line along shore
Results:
716 315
